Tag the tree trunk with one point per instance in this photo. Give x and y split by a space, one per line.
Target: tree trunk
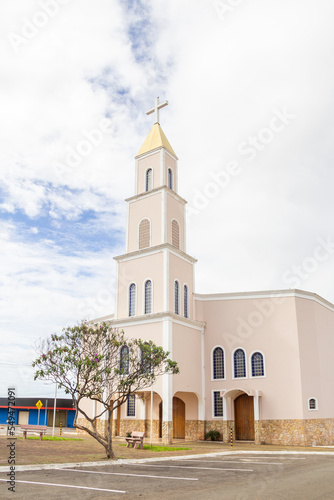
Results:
109 450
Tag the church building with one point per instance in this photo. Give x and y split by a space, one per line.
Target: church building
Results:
259 363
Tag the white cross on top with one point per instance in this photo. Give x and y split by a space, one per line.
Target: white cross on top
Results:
157 107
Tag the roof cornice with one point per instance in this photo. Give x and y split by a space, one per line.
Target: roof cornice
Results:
266 294
155 249
159 189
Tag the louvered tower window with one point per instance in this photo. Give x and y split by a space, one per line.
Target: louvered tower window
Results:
144 233
175 234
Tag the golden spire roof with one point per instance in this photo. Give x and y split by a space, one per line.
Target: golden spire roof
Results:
155 139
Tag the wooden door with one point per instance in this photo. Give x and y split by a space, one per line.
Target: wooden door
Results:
244 418
179 418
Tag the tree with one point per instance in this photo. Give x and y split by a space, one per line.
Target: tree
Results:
97 362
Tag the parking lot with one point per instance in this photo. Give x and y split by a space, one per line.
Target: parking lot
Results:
229 476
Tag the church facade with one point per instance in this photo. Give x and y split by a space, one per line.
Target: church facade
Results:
259 364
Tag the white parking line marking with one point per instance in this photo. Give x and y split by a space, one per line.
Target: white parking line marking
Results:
124 474
270 458
67 486
190 467
232 462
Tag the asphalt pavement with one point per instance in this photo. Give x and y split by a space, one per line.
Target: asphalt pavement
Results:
228 475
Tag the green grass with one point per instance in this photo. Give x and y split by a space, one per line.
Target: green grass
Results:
161 448
55 438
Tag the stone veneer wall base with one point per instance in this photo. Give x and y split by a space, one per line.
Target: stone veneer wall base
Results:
223 426
307 432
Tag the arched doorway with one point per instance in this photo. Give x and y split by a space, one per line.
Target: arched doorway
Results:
179 418
244 418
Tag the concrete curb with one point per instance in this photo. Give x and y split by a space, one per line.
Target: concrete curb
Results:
23 468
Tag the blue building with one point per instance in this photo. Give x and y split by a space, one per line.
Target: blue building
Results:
26 412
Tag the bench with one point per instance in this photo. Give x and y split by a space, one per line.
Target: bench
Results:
136 440
41 429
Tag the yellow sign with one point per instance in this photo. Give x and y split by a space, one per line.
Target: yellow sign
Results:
39 404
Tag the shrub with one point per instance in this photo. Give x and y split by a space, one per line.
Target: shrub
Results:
213 435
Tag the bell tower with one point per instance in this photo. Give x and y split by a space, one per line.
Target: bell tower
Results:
155 234
155 282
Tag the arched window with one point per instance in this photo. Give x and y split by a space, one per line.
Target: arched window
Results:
185 301
124 360
132 300
218 363
148 297
257 365
148 180
144 233
312 404
176 297
239 364
175 234
170 178
146 358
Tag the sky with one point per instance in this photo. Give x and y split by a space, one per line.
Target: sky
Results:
250 116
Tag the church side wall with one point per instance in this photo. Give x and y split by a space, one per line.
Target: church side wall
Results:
316 339
187 352
260 324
